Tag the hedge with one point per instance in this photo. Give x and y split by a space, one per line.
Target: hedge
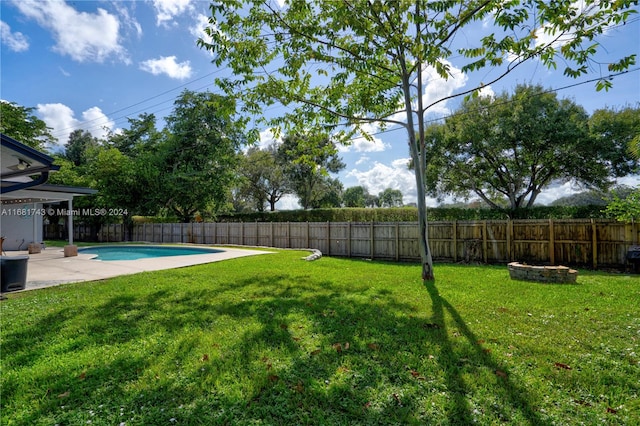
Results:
410 214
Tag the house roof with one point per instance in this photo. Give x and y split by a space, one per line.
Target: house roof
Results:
45 193
18 161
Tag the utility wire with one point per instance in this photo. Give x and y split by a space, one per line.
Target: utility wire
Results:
62 132
455 114
395 128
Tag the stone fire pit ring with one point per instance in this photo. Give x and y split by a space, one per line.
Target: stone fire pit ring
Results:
545 274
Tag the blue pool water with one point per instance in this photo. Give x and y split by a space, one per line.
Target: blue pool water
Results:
143 252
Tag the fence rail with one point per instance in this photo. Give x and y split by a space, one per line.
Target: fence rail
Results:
590 242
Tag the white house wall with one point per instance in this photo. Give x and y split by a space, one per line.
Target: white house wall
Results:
20 225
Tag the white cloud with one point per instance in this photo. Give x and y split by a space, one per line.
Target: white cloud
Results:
127 19
166 10
85 37
396 176
630 180
361 144
437 88
362 160
60 118
167 65
201 22
16 42
555 191
487 91
545 36
96 122
563 189
288 202
197 30
267 138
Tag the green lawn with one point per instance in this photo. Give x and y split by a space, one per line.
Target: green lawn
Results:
277 340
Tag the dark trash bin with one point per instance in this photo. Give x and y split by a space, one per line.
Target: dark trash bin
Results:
633 257
13 273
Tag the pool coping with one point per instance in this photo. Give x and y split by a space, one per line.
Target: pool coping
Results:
50 268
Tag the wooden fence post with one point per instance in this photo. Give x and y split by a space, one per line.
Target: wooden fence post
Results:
484 241
307 238
594 243
371 239
349 239
509 239
454 230
328 238
552 250
628 232
397 241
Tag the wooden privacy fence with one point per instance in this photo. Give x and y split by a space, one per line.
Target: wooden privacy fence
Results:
585 242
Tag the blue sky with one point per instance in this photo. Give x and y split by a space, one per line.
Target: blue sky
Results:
92 64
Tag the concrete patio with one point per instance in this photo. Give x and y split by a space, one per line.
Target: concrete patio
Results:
50 267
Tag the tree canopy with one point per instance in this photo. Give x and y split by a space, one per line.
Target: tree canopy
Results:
390 197
625 209
616 133
21 124
78 146
184 169
339 65
514 146
307 160
265 181
355 196
197 159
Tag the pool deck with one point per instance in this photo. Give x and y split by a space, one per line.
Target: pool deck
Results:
50 267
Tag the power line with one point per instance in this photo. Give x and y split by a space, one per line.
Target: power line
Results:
569 86
118 119
61 132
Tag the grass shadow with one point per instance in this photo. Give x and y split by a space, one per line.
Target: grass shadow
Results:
275 348
510 392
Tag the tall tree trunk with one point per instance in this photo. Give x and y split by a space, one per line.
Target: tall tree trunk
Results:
418 154
423 226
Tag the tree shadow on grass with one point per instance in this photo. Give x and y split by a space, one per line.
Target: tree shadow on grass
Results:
510 393
25 348
277 349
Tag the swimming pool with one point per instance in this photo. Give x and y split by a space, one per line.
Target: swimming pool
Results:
133 252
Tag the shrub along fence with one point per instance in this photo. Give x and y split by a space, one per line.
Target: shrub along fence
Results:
590 243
